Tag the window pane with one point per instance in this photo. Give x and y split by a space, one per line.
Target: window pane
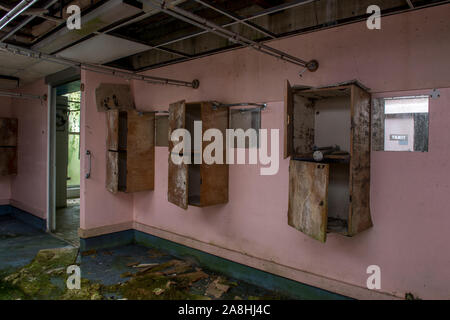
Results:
406 105
400 124
74 121
73 165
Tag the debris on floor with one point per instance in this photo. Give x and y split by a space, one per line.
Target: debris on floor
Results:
124 273
216 288
43 278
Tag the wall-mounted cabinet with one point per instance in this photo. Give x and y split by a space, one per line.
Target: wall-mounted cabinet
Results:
327 136
130 165
198 185
8 146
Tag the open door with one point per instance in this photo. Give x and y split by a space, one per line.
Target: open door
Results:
288 120
308 193
178 173
140 151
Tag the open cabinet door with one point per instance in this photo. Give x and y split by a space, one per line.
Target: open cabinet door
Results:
378 124
178 173
8 132
112 171
308 194
360 218
112 151
214 177
140 151
8 146
288 120
112 125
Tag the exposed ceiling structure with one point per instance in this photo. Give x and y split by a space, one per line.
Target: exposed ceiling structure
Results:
141 35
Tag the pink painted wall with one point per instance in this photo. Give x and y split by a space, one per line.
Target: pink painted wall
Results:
409 191
29 187
98 207
5 182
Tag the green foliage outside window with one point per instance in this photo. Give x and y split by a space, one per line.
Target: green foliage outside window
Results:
73 167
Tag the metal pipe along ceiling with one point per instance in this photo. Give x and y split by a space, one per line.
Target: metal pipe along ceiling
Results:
209 26
96 68
15 12
25 22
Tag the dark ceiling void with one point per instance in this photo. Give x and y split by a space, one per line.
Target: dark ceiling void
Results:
47 16
162 28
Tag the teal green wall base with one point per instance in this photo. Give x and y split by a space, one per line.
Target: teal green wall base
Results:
24 216
106 241
269 281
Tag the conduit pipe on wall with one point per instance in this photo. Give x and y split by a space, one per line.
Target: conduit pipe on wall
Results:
22 95
96 68
261 106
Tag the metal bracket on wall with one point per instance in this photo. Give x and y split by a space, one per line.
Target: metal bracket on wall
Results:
435 94
156 112
23 95
260 106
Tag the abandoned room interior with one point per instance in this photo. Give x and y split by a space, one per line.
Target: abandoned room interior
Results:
224 150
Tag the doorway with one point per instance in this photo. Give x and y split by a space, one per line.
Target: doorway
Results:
67 161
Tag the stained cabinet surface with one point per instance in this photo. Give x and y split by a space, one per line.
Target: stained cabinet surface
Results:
8 146
130 141
198 184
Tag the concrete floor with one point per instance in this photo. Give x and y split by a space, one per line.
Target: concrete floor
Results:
68 222
125 272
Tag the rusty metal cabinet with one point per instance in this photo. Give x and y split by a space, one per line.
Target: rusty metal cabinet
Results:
130 165
8 146
202 184
327 137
